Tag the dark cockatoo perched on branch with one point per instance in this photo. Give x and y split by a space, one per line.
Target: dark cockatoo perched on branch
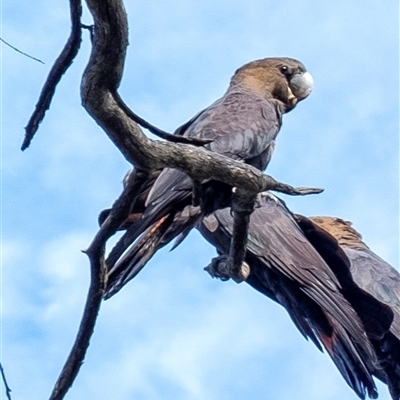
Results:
308 273
286 263
303 268
242 125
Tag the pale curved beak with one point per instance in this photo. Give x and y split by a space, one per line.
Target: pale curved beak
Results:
301 85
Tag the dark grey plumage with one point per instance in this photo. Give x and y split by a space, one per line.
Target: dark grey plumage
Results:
285 267
379 278
382 281
318 293
243 125
369 271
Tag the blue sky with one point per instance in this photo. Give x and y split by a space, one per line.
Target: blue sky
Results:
174 333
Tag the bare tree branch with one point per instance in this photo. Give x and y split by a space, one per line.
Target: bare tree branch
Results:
98 268
157 131
8 390
59 68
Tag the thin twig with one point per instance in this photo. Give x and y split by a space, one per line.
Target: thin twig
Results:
21 52
8 390
276 186
60 66
157 131
98 269
90 28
